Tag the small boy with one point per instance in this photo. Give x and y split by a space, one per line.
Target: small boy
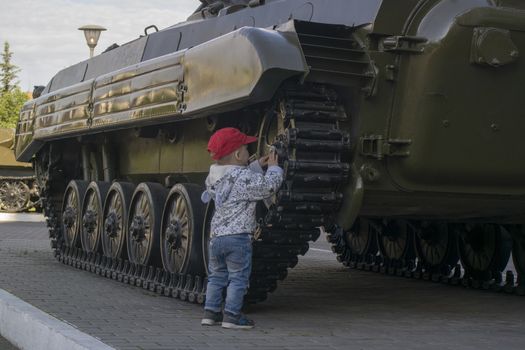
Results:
235 187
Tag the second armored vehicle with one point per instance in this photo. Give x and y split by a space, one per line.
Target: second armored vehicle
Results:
18 188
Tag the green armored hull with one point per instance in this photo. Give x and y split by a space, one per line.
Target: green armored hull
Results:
18 189
397 123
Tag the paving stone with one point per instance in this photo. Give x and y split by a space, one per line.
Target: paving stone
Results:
320 305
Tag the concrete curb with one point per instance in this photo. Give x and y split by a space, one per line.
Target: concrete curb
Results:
22 217
28 328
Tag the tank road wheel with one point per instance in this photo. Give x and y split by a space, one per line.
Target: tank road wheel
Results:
206 233
115 218
72 211
92 216
361 239
14 196
436 245
395 240
484 250
181 233
144 222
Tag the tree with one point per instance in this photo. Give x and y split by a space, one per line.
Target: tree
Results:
10 104
12 98
8 71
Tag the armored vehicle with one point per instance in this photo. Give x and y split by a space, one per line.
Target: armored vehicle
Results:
18 189
398 124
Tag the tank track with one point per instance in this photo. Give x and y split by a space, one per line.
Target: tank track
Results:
411 268
307 200
49 178
308 197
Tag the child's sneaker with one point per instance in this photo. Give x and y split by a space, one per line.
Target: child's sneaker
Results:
211 318
237 322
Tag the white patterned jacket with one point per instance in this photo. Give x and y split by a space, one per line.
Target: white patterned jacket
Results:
236 190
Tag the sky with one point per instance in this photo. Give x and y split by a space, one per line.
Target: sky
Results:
44 35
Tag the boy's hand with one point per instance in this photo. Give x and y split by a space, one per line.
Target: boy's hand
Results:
273 159
263 161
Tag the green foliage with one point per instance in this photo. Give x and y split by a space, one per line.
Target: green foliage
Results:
10 104
11 96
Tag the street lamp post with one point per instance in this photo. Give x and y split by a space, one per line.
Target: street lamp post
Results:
92 33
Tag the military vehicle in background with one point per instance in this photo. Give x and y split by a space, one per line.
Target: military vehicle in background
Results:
18 189
398 123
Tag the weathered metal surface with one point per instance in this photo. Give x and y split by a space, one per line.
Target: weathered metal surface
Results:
24 133
461 129
62 111
145 91
245 66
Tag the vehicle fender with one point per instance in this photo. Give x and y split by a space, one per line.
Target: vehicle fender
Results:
243 67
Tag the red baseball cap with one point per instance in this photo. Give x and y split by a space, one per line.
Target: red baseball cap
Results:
227 140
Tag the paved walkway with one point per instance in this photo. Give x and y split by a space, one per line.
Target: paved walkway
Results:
320 305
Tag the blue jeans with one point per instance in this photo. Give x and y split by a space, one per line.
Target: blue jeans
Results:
229 267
